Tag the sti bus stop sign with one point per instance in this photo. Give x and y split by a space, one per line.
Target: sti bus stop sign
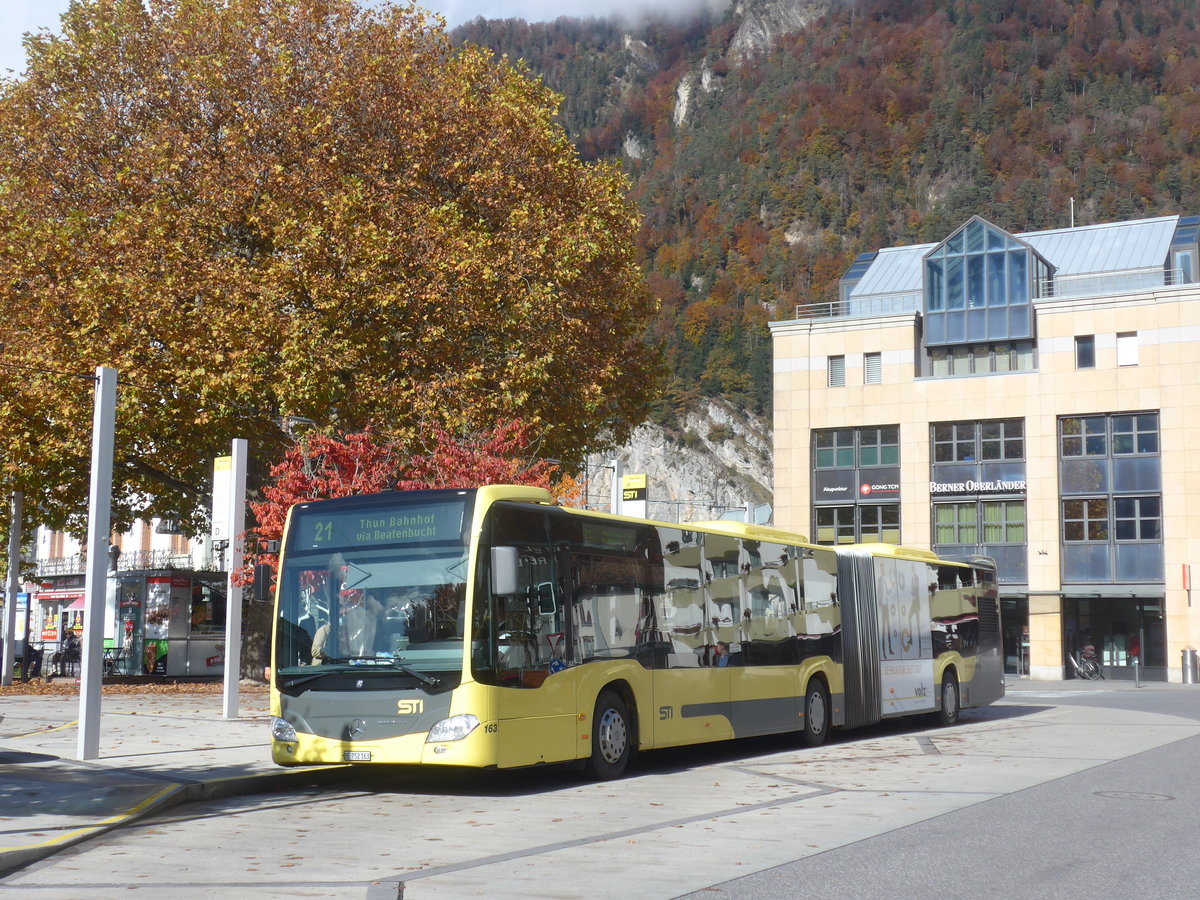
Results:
634 495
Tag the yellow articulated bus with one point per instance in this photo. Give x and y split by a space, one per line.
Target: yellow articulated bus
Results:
491 628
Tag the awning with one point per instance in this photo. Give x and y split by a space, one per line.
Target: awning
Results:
63 595
78 604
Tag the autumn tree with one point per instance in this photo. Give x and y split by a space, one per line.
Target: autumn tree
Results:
262 209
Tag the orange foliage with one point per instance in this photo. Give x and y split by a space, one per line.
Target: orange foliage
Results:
323 467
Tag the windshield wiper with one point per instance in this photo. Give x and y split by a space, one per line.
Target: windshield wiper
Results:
385 661
304 679
420 676
313 676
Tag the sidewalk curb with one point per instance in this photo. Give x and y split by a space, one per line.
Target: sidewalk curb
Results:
172 794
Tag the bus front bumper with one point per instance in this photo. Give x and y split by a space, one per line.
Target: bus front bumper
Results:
477 749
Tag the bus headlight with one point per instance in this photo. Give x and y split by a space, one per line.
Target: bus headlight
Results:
454 728
282 729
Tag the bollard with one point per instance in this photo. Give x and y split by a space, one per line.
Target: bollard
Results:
1189 665
1137 673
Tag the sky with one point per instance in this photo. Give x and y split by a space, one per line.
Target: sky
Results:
20 16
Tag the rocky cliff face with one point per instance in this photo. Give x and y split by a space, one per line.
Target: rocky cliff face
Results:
720 462
762 21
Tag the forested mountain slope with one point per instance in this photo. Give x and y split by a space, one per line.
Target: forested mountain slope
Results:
768 147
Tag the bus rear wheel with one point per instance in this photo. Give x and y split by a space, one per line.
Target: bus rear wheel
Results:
816 714
949 707
612 738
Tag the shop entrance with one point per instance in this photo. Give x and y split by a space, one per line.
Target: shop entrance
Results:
1014 616
1120 629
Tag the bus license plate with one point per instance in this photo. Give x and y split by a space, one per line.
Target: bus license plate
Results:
356 756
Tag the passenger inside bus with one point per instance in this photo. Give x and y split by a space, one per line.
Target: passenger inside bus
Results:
358 618
396 625
295 643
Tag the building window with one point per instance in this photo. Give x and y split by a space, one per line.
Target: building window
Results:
1085 520
1084 436
835 449
1127 349
1137 518
1110 478
961 359
1002 439
1135 434
982 359
1133 519
1003 521
879 446
939 361
835 524
866 524
837 371
856 472
879 524
1183 268
1085 351
873 368
954 442
1003 358
956 523
1089 435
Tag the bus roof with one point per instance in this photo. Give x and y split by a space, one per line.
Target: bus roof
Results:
719 526
749 531
895 550
898 551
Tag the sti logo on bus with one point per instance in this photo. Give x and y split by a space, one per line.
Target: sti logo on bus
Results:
665 712
410 707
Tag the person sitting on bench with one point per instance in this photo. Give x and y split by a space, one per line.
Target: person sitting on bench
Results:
68 654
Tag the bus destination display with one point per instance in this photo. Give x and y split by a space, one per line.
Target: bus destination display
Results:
380 525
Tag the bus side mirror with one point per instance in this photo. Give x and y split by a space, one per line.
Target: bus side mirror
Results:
504 570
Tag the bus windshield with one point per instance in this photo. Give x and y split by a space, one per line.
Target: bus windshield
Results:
354 591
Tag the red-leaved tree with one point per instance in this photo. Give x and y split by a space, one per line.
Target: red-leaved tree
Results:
322 467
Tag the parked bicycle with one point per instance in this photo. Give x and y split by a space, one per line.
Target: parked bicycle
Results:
1086 666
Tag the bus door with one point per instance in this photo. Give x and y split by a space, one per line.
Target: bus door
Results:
612 630
766 690
535 700
691 687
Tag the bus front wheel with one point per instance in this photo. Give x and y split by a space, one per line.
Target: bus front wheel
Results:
949 708
816 714
612 738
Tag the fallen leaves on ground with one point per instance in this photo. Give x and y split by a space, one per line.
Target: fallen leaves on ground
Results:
69 687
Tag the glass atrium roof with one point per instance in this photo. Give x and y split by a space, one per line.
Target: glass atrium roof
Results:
1142 244
1114 247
